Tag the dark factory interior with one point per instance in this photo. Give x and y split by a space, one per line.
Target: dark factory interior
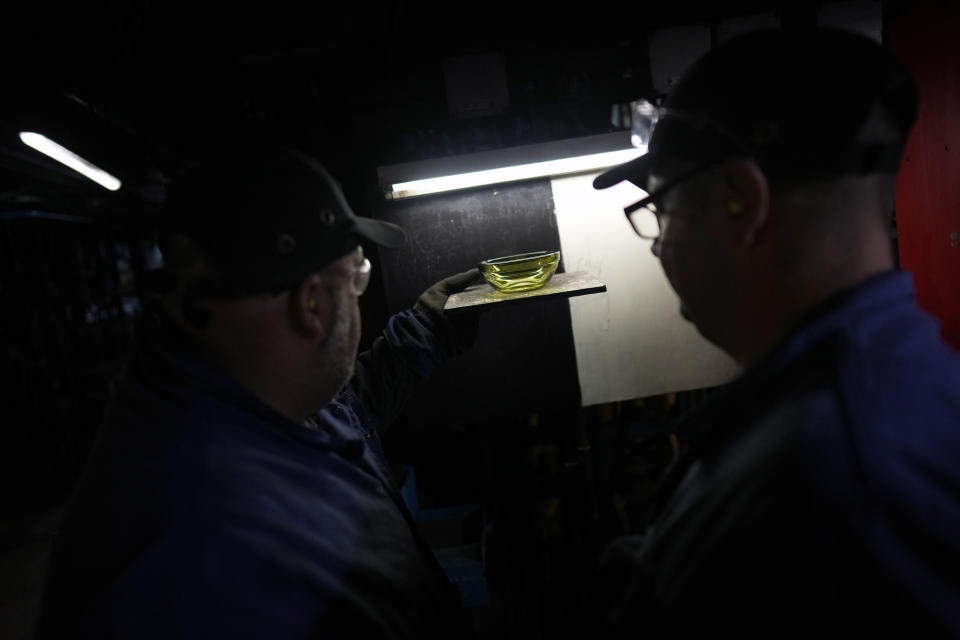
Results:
516 478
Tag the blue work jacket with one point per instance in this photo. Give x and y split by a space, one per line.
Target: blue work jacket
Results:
204 513
818 496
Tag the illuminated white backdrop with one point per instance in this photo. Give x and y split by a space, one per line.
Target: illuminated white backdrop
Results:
631 341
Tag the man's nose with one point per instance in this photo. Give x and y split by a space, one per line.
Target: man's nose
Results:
655 247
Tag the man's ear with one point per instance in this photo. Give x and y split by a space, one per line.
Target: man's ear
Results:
311 307
746 198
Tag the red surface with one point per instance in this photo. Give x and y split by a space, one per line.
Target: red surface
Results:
927 39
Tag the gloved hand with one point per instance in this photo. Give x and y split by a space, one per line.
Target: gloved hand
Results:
460 328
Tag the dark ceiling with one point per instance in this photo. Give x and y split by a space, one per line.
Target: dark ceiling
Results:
146 87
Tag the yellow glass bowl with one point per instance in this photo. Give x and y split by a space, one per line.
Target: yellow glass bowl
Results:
521 272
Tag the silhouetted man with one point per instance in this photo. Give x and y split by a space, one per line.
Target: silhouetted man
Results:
820 492
239 488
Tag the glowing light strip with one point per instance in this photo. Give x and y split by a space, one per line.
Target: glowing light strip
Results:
511 174
63 155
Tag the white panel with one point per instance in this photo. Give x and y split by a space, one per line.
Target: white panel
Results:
727 29
630 342
673 50
476 85
861 16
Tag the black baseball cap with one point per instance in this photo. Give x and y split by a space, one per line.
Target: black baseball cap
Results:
796 100
266 217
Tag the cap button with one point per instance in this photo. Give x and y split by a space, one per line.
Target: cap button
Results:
766 133
286 244
327 217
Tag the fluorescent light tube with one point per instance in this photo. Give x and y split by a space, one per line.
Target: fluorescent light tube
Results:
63 155
510 174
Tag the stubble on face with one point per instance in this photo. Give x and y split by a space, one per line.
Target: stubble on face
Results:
339 353
685 247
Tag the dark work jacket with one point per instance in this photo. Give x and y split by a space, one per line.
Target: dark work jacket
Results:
204 513
819 496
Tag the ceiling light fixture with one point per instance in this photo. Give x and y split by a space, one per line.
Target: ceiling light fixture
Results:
63 155
564 157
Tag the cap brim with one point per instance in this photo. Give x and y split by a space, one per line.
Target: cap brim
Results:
636 171
385 234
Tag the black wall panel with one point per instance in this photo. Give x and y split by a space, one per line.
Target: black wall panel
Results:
524 359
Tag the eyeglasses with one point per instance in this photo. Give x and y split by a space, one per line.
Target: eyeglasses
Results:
645 216
358 275
361 277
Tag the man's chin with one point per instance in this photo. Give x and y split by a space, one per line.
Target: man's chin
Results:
685 312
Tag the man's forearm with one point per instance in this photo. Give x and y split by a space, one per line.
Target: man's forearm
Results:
387 374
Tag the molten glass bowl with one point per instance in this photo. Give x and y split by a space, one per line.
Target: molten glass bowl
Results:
521 272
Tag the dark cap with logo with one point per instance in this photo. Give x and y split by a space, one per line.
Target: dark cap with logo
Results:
266 217
796 100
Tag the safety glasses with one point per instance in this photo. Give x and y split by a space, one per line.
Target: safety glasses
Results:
644 216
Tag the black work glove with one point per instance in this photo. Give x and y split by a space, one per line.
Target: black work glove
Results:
460 329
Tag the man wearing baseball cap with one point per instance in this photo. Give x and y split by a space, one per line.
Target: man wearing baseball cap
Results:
819 494
239 488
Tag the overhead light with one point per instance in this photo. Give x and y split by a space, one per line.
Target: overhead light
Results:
507 165
557 167
63 155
